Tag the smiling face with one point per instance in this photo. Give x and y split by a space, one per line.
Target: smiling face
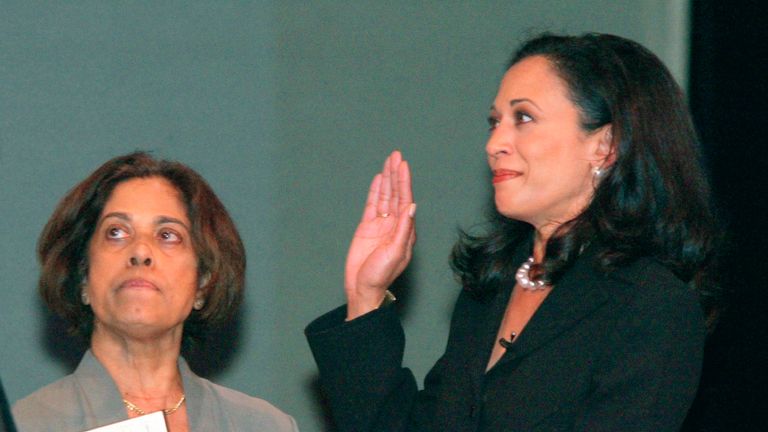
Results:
540 156
142 267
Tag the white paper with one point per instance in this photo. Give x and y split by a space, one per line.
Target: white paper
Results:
154 422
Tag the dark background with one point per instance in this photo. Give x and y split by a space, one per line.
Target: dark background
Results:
728 94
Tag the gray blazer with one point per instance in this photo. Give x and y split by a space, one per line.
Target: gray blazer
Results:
89 398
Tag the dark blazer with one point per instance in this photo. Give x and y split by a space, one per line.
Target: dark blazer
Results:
616 351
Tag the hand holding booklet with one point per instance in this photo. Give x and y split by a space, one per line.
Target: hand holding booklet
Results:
154 422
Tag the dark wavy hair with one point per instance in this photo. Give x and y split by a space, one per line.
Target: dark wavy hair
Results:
63 245
652 202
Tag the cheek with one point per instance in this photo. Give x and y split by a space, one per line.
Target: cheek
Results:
556 176
184 271
99 266
540 151
554 156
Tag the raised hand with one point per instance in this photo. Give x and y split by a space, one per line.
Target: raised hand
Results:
383 241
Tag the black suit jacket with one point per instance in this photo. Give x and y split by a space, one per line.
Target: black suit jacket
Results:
617 351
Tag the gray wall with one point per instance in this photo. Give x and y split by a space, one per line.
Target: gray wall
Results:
287 109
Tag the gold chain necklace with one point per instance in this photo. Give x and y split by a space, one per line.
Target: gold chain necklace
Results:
167 411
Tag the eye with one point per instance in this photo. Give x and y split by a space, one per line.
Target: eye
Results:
522 117
493 122
116 233
169 236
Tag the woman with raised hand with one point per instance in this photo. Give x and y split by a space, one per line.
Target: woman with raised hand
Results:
581 303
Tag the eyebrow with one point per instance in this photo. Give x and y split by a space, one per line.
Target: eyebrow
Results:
514 102
158 220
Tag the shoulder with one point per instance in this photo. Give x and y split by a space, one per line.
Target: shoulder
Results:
244 410
58 400
51 393
651 293
645 271
646 279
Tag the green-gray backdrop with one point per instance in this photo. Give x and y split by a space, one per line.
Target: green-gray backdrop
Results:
287 108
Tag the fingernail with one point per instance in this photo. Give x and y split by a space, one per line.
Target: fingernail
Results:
412 210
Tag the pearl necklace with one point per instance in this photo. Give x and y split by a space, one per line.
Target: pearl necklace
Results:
167 411
524 279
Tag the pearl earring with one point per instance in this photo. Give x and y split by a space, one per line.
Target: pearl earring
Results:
199 303
597 172
84 297
204 279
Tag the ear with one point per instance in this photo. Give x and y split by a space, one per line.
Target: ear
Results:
604 149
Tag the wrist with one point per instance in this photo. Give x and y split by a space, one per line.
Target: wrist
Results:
358 308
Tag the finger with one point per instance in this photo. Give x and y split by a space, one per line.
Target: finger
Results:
369 212
412 238
405 229
385 190
395 160
404 186
409 246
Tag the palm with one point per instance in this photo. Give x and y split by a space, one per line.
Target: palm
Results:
381 246
369 254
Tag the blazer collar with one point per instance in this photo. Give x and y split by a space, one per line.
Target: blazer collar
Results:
583 289
103 404
101 401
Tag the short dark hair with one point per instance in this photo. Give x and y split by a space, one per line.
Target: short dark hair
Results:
63 245
653 201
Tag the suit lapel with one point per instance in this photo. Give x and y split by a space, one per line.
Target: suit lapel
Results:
582 290
491 314
488 328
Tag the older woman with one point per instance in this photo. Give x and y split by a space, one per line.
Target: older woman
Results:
138 257
580 309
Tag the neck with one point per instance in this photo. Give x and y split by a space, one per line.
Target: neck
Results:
540 238
544 227
142 369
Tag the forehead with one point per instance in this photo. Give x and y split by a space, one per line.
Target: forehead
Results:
154 196
534 78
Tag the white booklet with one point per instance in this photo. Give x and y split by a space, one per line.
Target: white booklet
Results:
154 422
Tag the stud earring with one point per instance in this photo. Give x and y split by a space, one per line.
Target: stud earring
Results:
83 293
199 303
597 172
204 279
84 297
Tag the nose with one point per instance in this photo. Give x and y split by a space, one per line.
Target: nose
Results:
498 144
141 255
136 261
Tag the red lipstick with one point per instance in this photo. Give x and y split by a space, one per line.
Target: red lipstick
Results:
501 175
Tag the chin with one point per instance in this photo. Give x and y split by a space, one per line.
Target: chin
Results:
514 214
507 209
509 214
